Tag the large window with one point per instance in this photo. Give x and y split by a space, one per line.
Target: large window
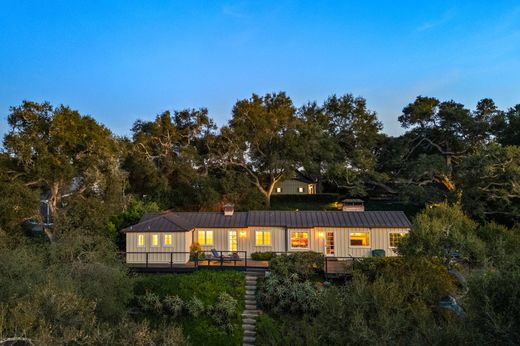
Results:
168 240
140 240
206 237
359 239
395 238
155 240
299 240
262 238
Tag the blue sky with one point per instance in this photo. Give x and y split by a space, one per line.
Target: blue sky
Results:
123 60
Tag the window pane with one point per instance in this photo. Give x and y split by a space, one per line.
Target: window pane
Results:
201 237
140 240
299 239
155 239
395 238
359 239
167 239
267 238
209 237
258 238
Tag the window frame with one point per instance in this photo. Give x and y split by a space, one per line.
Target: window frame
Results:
158 240
263 237
300 248
144 240
359 246
171 240
403 234
205 232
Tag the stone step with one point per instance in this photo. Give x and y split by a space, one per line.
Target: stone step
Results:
249 327
250 292
251 306
251 288
248 344
250 302
249 333
249 339
249 320
250 315
251 277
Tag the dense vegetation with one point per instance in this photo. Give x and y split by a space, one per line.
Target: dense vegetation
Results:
62 281
418 298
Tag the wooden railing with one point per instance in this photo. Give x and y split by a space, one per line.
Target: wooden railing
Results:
191 257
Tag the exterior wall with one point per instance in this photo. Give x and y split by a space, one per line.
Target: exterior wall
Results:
246 239
280 242
136 254
379 238
290 187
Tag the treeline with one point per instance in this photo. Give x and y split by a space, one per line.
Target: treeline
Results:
182 160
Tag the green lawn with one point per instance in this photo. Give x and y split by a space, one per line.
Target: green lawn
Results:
205 285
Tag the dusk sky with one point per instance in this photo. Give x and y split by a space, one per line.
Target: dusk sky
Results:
125 60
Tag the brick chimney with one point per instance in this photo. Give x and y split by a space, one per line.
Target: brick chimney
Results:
229 209
355 205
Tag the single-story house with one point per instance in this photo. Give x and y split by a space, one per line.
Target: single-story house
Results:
333 233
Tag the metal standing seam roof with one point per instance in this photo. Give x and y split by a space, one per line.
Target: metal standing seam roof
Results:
186 221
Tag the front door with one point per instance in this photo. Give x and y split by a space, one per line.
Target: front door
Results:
330 249
232 241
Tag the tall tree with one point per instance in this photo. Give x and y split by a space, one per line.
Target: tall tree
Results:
171 153
60 151
261 139
506 126
356 131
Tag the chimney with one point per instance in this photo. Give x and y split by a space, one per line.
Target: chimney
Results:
355 205
229 209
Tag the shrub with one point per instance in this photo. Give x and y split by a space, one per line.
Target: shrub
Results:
150 302
262 256
173 305
305 264
288 295
195 306
224 309
195 248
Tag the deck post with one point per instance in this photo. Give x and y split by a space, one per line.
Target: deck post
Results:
171 259
221 259
326 266
196 259
245 258
146 259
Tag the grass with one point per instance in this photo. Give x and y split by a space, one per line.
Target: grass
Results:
205 285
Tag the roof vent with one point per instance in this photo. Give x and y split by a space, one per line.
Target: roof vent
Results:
229 209
353 205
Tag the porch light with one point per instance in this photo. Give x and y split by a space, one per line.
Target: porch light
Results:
320 235
243 234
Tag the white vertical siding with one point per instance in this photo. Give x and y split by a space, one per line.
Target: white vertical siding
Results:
137 254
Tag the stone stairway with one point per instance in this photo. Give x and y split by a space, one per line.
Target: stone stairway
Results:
251 311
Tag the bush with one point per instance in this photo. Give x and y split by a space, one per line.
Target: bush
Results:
150 302
195 306
224 309
262 256
304 264
287 294
173 305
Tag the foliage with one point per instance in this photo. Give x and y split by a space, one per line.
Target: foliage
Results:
490 180
304 265
288 294
263 256
441 231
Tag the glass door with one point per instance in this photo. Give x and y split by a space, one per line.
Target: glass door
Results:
232 241
330 249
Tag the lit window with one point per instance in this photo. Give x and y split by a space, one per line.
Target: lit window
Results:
278 189
262 238
168 240
205 237
300 189
299 240
359 239
140 240
155 240
395 238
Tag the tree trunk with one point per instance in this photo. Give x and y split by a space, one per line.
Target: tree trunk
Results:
53 206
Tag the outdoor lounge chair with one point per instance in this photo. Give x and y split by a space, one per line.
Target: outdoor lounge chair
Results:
215 256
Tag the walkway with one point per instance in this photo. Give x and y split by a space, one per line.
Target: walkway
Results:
251 311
